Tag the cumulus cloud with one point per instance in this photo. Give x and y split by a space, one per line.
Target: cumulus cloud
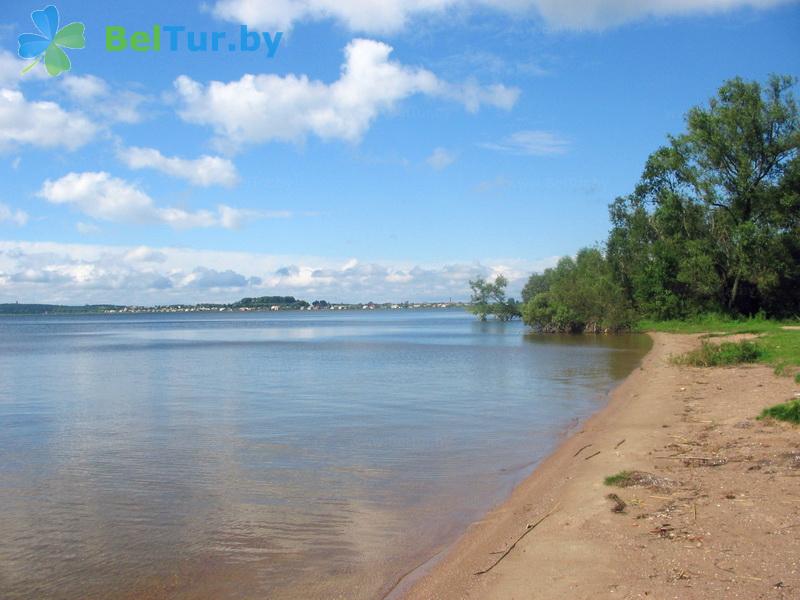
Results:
205 278
107 198
11 70
262 108
204 171
82 273
85 87
42 124
95 95
382 16
440 159
530 142
144 254
15 217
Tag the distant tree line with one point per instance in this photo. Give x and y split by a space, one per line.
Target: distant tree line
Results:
54 309
712 227
286 302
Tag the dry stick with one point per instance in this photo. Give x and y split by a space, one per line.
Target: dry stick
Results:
581 450
619 444
512 546
592 455
690 457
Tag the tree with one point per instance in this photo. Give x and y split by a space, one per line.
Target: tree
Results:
490 299
713 224
578 295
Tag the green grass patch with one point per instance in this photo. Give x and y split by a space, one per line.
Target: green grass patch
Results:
718 324
725 354
788 411
621 479
778 347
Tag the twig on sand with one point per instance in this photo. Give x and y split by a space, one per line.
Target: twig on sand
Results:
581 450
619 444
700 458
512 546
592 455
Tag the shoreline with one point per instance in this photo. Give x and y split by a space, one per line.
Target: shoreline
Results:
584 550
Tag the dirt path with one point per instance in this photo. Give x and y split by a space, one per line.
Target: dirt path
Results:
724 524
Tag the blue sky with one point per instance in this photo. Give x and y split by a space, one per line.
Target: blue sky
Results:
390 150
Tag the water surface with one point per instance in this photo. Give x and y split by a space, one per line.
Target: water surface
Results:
289 455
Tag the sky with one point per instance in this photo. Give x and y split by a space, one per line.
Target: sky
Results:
387 150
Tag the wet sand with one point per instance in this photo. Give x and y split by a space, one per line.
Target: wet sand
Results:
725 522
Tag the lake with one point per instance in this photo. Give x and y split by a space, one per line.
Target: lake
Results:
269 455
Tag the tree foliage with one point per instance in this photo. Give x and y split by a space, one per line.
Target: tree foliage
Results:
712 226
490 299
577 295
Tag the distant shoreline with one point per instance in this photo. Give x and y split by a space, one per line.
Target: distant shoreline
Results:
29 310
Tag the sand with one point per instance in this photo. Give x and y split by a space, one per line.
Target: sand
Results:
725 524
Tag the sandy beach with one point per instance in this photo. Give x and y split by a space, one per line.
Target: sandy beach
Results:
717 516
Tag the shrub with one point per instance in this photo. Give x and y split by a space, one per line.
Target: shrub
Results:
788 411
724 354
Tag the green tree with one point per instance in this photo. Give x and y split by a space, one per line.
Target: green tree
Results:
490 299
578 295
713 224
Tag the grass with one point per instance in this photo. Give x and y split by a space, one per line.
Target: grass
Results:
721 355
718 324
778 347
788 411
621 479
643 479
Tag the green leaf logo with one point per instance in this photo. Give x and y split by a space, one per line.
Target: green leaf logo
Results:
49 45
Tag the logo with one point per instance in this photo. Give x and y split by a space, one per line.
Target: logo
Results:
179 37
50 44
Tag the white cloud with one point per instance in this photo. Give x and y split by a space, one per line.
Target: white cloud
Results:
86 228
85 87
234 218
384 16
94 95
82 273
42 124
261 108
205 278
144 254
531 142
440 159
11 70
107 198
204 171
15 217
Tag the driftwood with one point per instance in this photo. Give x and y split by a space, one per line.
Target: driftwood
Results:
619 444
581 450
518 540
592 455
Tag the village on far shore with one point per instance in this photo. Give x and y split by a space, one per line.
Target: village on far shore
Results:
262 304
